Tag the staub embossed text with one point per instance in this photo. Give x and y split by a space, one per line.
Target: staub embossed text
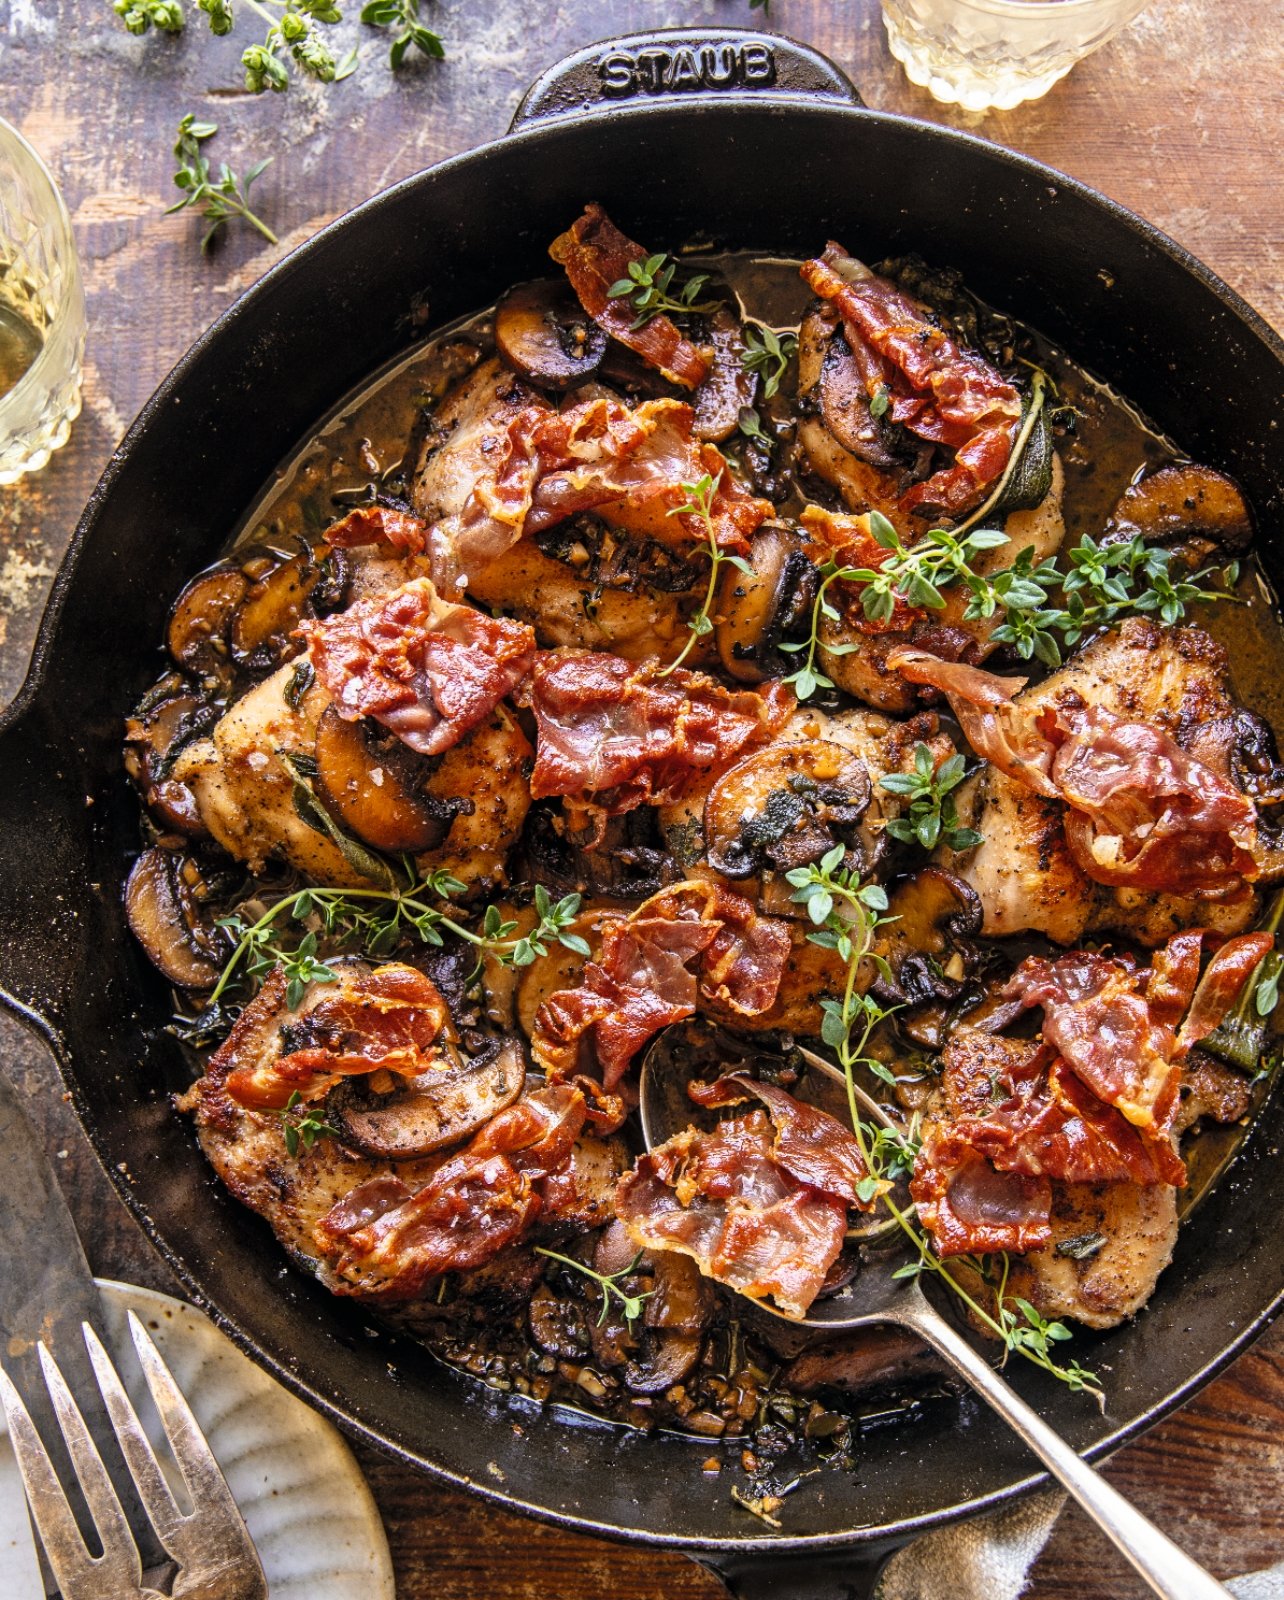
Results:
694 66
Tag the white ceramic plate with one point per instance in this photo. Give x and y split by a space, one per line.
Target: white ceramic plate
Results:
304 1500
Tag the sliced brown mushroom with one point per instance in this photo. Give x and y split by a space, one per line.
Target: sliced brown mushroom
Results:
278 593
729 385
1184 502
163 905
374 785
871 1358
244 610
845 407
559 969
171 716
755 612
675 1317
934 917
783 807
399 1119
558 1326
543 333
202 615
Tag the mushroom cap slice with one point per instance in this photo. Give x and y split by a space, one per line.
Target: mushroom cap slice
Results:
783 807
439 1107
845 407
1183 502
164 917
754 611
367 778
543 333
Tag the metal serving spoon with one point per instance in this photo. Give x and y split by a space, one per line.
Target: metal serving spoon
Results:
874 1297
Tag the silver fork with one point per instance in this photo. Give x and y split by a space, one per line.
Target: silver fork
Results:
212 1546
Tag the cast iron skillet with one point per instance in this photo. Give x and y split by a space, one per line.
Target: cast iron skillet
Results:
778 155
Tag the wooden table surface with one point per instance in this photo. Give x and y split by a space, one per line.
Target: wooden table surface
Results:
1179 118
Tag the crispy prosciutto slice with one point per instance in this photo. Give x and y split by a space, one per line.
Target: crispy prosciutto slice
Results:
939 391
1142 813
1022 1106
427 669
595 254
613 735
760 1204
1117 1027
599 454
692 942
387 1019
1094 1103
969 1206
400 531
388 1240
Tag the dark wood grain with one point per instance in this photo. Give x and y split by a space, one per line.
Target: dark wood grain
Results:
1179 119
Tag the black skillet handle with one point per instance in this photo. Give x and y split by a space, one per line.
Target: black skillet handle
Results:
850 1574
682 64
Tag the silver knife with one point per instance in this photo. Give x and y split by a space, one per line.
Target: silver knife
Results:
46 1292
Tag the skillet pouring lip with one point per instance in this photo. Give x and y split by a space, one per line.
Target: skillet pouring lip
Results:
810 122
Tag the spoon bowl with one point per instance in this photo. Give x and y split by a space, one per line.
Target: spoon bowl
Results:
874 1297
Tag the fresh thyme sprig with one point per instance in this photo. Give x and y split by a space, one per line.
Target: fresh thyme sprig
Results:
303 1130
767 353
1023 1330
932 815
699 504
292 33
630 1304
218 200
403 15
647 289
846 917
139 15
376 920
918 573
1104 584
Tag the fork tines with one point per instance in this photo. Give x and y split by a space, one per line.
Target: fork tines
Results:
210 1543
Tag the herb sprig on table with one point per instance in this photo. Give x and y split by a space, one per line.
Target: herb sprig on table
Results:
221 198
403 16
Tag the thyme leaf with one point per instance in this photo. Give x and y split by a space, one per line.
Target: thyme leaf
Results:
846 916
403 15
375 921
303 1131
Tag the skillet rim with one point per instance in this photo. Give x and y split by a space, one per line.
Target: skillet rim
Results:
29 695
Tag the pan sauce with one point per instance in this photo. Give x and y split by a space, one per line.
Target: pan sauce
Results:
751 1384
